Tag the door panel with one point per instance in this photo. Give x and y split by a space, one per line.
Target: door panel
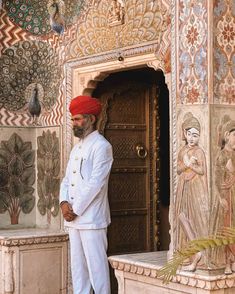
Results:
130 122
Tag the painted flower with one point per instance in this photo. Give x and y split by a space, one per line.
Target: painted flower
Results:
228 33
192 35
229 95
193 95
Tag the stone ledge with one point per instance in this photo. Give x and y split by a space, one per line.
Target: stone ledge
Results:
31 236
148 264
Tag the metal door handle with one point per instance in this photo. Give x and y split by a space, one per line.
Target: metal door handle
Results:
141 151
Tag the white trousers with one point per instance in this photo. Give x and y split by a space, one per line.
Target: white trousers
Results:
89 262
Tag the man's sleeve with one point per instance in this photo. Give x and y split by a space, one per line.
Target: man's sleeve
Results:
64 196
103 159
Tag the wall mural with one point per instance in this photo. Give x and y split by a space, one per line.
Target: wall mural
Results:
48 163
33 17
21 67
117 24
17 176
224 53
225 185
192 199
193 35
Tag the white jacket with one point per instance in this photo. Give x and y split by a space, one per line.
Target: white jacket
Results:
85 184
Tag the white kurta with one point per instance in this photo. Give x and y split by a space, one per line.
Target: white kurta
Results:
85 184
85 187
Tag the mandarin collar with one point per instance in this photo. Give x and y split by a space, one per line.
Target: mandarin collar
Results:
89 137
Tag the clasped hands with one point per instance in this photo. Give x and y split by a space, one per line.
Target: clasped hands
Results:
67 211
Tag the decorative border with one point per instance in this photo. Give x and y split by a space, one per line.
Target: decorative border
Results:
20 241
114 54
215 282
173 120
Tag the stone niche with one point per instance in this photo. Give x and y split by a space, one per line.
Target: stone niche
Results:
33 248
30 177
33 261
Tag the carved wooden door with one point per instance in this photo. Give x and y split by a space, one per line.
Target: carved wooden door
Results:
129 123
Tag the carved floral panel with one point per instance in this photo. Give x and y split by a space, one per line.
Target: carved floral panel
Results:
224 51
17 176
48 163
193 52
116 24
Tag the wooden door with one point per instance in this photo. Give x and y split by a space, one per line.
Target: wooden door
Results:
130 123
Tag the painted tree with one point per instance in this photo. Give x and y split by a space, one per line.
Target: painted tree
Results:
48 163
17 176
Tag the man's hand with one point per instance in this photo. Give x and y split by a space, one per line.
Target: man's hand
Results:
67 211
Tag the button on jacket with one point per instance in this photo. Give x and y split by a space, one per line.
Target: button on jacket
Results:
85 185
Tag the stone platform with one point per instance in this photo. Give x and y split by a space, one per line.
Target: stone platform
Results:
137 273
33 261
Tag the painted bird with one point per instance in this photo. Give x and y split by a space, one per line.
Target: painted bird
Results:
56 17
34 106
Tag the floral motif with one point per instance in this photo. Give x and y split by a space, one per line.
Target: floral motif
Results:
17 176
193 52
192 35
224 43
228 33
48 174
192 96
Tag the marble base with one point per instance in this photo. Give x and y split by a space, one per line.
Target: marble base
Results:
137 273
33 261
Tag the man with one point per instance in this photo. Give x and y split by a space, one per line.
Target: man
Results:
84 199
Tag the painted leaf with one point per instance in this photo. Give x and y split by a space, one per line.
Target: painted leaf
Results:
28 190
28 157
42 206
4 177
5 156
15 143
55 207
41 147
16 167
55 186
3 201
28 176
27 146
16 188
56 167
48 186
28 203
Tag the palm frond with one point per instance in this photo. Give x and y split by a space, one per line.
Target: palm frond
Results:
224 237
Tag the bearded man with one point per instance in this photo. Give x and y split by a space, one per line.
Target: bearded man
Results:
84 199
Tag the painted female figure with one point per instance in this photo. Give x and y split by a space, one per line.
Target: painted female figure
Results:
225 186
192 201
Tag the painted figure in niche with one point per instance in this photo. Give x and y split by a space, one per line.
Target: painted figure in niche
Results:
225 185
116 12
192 202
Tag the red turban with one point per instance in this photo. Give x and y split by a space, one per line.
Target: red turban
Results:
85 105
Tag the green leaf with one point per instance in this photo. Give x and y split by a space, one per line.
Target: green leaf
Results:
56 167
55 207
15 143
16 188
28 176
5 156
41 172
4 177
42 206
3 201
27 146
28 157
27 204
16 166
41 147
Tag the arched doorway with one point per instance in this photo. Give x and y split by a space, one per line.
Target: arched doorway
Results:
136 122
